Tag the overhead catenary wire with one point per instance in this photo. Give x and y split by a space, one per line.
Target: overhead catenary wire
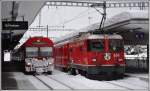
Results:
67 21
80 15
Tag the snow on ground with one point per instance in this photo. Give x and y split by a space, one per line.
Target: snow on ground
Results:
142 75
95 84
62 80
80 82
135 82
52 83
68 80
130 83
37 84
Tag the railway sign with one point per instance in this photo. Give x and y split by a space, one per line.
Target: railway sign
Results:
14 25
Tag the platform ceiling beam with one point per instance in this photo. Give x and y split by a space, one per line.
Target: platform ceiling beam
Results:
90 4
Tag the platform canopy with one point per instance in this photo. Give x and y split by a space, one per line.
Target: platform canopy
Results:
18 11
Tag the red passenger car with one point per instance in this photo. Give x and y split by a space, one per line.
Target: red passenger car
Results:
92 54
37 54
61 55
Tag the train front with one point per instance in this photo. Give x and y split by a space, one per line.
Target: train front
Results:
38 56
106 55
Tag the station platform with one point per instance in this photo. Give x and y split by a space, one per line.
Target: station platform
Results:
15 80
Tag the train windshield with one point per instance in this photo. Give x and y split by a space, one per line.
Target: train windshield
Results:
116 44
96 45
31 51
45 51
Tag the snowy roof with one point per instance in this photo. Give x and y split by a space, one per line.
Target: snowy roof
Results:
124 16
138 56
94 36
62 43
127 16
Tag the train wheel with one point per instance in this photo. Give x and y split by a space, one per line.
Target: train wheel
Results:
120 76
88 75
28 73
64 69
83 73
73 71
49 72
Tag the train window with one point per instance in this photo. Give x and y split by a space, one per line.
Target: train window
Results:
45 51
31 51
116 45
95 45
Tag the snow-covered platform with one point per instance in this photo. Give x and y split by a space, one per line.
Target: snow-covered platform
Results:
61 80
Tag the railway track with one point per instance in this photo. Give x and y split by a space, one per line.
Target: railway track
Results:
56 83
44 83
52 83
60 80
135 83
115 83
128 84
119 85
61 83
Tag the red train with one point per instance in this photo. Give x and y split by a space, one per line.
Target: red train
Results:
91 54
37 55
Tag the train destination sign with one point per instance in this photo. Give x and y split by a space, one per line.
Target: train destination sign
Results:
14 25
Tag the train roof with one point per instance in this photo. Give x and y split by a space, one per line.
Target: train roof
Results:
98 36
61 43
91 36
38 40
112 36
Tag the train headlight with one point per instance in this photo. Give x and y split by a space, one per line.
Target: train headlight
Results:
28 63
107 56
49 63
35 59
94 60
44 59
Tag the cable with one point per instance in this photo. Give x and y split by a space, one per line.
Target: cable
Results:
67 21
98 11
76 17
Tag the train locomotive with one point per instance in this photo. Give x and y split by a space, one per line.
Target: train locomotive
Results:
91 54
37 55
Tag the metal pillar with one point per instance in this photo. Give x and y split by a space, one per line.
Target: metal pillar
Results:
47 30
